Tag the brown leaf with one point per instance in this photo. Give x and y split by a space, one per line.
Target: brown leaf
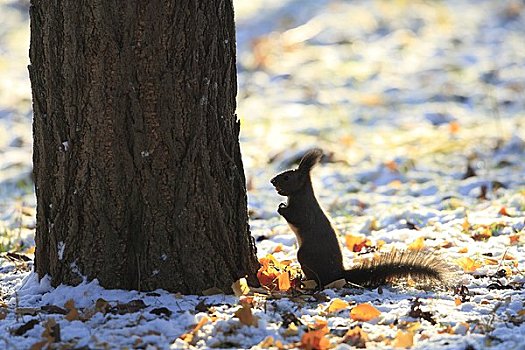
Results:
356 337
53 309
39 345
102 306
26 327
32 311
212 291
128 308
51 331
3 314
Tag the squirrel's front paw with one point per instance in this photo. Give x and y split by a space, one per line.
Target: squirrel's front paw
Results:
282 205
282 208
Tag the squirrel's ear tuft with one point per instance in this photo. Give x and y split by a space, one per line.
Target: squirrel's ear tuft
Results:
310 159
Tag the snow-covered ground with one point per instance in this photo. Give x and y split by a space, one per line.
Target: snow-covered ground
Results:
420 109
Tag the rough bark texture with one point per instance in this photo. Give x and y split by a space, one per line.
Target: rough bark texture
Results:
138 173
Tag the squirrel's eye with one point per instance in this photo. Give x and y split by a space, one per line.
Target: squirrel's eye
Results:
286 177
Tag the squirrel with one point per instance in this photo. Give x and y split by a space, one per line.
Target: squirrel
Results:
319 253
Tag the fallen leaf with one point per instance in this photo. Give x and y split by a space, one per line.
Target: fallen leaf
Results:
3 314
316 338
514 239
246 317
51 331
240 287
53 309
102 306
364 312
457 301
337 284
337 305
22 311
38 345
188 337
503 211
463 250
161 311
453 127
356 337
468 264
404 340
127 308
417 244
212 291
278 248
355 243
25 327
284 281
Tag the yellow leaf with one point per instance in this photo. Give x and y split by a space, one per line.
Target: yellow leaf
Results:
463 250
337 305
404 340
364 312
245 315
352 242
418 244
489 261
291 331
468 264
240 287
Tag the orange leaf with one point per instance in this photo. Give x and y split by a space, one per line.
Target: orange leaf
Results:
457 301
284 281
514 239
468 264
418 244
466 225
278 248
73 312
453 127
463 250
404 340
364 312
392 166
315 339
337 305
355 243
503 211
188 337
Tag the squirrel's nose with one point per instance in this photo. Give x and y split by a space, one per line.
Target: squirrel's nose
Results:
272 181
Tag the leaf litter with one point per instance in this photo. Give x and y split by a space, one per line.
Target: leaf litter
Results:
420 107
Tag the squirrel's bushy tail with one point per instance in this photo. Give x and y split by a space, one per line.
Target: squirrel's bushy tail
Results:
423 267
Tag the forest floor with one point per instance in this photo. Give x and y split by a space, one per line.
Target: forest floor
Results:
419 107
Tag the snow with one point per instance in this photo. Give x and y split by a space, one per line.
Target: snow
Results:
401 96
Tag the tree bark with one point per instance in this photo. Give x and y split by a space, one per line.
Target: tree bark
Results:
137 165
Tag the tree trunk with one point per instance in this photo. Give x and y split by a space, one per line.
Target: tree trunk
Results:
137 166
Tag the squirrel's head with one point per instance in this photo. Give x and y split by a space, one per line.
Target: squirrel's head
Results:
292 181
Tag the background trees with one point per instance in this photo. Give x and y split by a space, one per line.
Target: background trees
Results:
138 173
